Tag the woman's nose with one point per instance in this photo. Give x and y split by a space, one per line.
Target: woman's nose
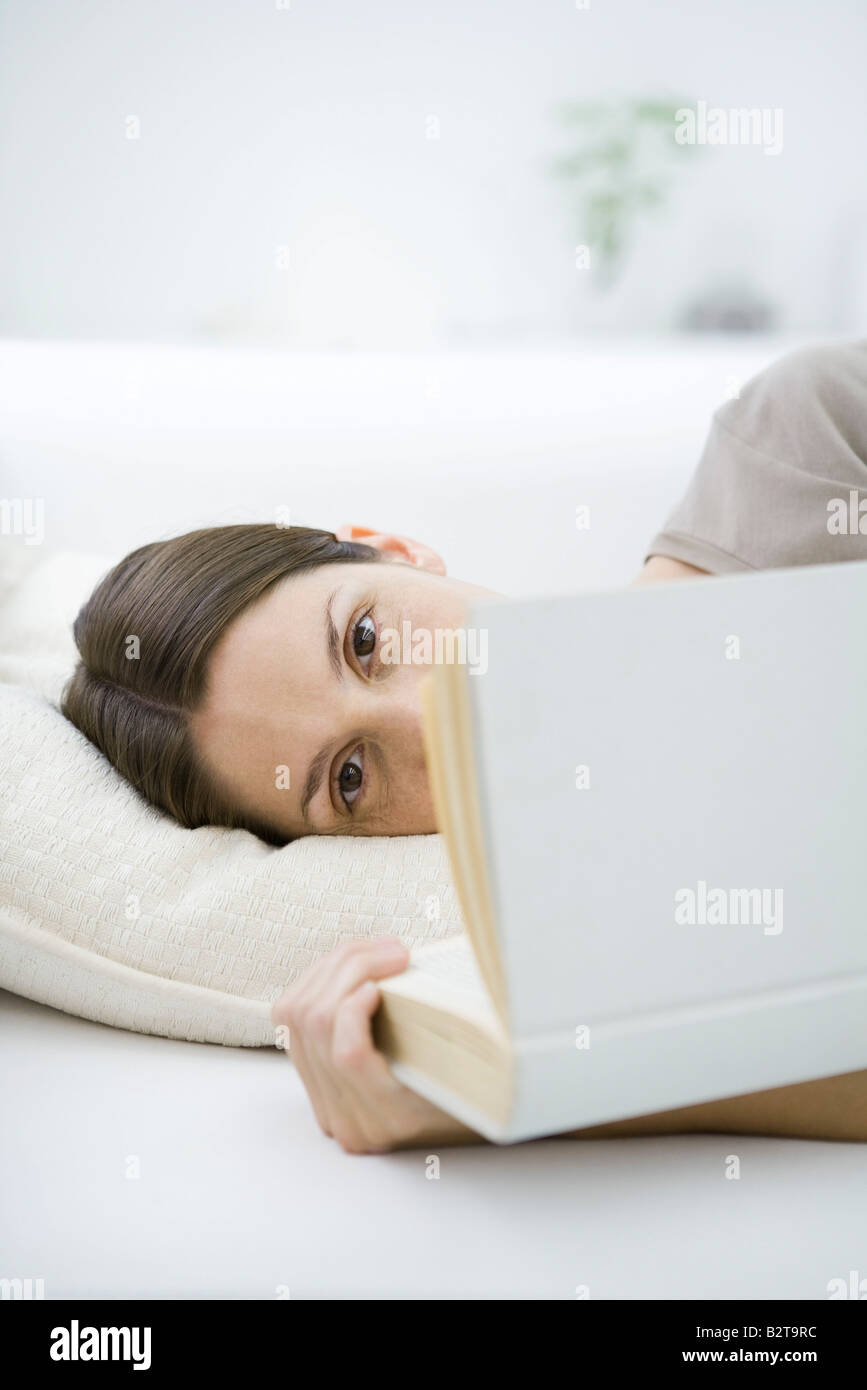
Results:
396 714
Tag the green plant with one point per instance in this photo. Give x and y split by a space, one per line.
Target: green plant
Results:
622 164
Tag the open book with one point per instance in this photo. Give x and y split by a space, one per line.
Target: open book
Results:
655 808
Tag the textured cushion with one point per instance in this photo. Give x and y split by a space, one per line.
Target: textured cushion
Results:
110 910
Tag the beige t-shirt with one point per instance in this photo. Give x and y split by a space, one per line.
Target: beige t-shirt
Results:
783 476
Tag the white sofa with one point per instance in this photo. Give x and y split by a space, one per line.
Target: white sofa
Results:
485 456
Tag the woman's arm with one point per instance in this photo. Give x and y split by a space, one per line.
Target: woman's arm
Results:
661 567
359 1103
834 1107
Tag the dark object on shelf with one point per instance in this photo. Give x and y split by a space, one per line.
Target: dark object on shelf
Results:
729 311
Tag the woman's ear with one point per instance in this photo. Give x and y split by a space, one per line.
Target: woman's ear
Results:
400 547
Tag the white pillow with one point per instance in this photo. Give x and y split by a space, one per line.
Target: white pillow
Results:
112 911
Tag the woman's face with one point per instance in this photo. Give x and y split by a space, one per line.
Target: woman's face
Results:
298 683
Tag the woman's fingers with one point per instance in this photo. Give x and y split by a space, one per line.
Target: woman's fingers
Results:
313 1085
352 1049
353 962
362 1124
346 967
328 1015
355 1078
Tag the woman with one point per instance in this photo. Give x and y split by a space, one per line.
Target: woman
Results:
235 677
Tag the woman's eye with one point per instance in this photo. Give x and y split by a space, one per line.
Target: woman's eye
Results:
350 778
364 638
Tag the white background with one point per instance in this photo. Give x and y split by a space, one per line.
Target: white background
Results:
306 127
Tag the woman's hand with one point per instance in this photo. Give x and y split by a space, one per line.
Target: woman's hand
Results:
355 1098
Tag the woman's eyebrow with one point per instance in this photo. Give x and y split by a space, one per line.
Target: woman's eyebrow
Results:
311 786
332 637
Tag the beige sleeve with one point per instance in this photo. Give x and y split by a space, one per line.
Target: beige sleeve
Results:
784 470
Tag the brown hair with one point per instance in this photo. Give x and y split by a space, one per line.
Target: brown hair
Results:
144 637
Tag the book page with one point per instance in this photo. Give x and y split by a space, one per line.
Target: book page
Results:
445 975
449 756
452 960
